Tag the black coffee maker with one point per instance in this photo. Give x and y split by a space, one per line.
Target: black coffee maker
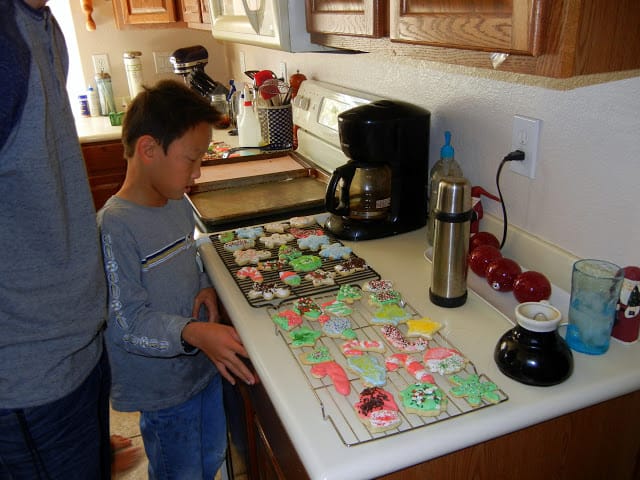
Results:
382 190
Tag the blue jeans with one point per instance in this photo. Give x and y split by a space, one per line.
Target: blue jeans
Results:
188 441
65 439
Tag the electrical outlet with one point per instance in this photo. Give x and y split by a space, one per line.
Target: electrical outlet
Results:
101 62
162 63
243 62
525 137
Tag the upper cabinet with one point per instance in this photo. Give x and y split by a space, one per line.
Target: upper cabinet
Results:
367 18
196 14
147 13
508 26
553 38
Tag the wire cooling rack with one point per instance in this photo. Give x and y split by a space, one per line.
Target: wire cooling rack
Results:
339 409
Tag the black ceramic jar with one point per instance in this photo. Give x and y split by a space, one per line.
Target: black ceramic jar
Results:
533 352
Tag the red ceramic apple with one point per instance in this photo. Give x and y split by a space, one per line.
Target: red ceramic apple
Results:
501 274
483 238
531 287
481 256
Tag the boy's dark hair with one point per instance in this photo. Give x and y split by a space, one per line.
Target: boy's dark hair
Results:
166 111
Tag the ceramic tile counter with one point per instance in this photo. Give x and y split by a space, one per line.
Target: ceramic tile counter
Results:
474 328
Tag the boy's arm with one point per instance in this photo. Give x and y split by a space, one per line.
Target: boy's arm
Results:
134 326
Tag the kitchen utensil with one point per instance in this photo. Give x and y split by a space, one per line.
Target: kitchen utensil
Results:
451 242
381 191
533 352
595 290
189 62
275 92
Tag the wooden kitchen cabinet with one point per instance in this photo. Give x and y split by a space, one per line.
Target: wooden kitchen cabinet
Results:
367 18
106 169
596 442
553 38
136 14
196 14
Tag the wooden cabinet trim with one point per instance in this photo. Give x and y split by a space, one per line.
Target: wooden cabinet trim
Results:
367 18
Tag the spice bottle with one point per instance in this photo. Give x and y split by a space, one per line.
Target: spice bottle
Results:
133 67
94 102
445 167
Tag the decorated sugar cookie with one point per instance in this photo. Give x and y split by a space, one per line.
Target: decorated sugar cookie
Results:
338 327
336 373
348 293
301 222
357 348
251 273
335 251
351 265
390 314
306 263
249 232
317 355
276 239
444 361
290 278
272 265
238 244
304 337
287 319
275 227
268 291
474 390
309 309
320 277
426 399
375 286
225 237
377 409
422 327
313 242
302 233
385 297
371 370
337 308
288 253
413 366
395 338
251 255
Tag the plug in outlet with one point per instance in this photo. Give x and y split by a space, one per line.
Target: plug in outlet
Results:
525 137
101 62
162 62
243 62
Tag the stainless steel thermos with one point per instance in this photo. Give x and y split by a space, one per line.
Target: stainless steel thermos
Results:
451 242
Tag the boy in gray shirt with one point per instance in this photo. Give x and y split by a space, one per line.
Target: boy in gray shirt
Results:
165 346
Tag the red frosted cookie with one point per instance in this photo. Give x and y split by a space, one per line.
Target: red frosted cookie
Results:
413 366
251 273
444 361
336 373
377 409
395 338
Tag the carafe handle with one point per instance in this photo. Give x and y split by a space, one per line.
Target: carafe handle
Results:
346 173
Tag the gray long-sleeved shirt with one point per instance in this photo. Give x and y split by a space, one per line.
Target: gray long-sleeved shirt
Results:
52 286
153 278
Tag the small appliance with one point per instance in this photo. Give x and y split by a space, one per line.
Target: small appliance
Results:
189 62
382 189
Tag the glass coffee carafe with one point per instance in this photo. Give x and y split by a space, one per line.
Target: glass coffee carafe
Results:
360 191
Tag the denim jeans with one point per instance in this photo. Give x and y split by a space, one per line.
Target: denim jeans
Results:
187 441
65 439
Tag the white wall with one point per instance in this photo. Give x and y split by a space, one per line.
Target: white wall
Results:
585 196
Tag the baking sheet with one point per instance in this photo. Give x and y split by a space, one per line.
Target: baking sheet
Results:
339 409
306 288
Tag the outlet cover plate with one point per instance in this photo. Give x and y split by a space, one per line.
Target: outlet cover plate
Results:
526 137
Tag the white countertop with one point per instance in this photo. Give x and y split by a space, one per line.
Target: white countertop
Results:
474 328
96 129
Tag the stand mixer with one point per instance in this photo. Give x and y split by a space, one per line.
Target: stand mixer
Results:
189 62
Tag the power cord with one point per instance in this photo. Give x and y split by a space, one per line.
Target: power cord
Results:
518 156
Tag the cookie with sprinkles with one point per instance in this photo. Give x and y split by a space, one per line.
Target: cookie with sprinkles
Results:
287 319
337 308
375 286
351 265
474 390
308 308
385 297
304 337
317 355
377 409
338 327
397 340
424 398
320 277
348 293
444 361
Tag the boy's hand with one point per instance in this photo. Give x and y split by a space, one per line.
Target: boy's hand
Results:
221 343
208 298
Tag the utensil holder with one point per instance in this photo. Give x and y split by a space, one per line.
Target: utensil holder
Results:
276 126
